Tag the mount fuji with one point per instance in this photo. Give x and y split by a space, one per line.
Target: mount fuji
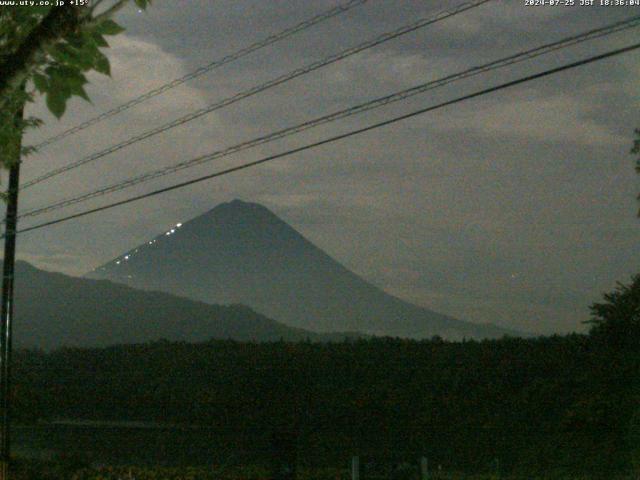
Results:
242 253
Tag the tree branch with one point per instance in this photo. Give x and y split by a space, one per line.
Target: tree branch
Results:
16 68
110 11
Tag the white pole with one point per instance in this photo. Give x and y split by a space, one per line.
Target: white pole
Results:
355 468
424 468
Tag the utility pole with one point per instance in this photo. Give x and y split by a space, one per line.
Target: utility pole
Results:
6 313
424 468
355 468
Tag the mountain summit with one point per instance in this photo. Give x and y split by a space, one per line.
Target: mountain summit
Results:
242 252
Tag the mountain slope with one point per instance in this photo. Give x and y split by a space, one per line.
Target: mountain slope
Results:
55 310
242 253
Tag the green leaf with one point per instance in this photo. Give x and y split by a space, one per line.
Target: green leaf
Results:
80 92
82 57
57 103
32 122
75 39
61 54
63 79
76 80
99 39
26 151
101 65
41 82
141 4
57 70
109 27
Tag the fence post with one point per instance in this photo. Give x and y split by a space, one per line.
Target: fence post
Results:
355 468
424 468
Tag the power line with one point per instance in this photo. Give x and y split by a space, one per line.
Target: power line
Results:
338 137
385 37
357 109
270 40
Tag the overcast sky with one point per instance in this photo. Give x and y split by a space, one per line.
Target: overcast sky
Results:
517 208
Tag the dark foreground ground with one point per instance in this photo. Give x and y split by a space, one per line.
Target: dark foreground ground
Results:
556 407
72 470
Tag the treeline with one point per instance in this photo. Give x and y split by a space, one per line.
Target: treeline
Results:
554 404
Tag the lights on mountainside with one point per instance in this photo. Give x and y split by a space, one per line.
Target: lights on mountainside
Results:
150 242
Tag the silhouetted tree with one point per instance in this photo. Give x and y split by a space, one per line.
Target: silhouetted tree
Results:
47 49
617 319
